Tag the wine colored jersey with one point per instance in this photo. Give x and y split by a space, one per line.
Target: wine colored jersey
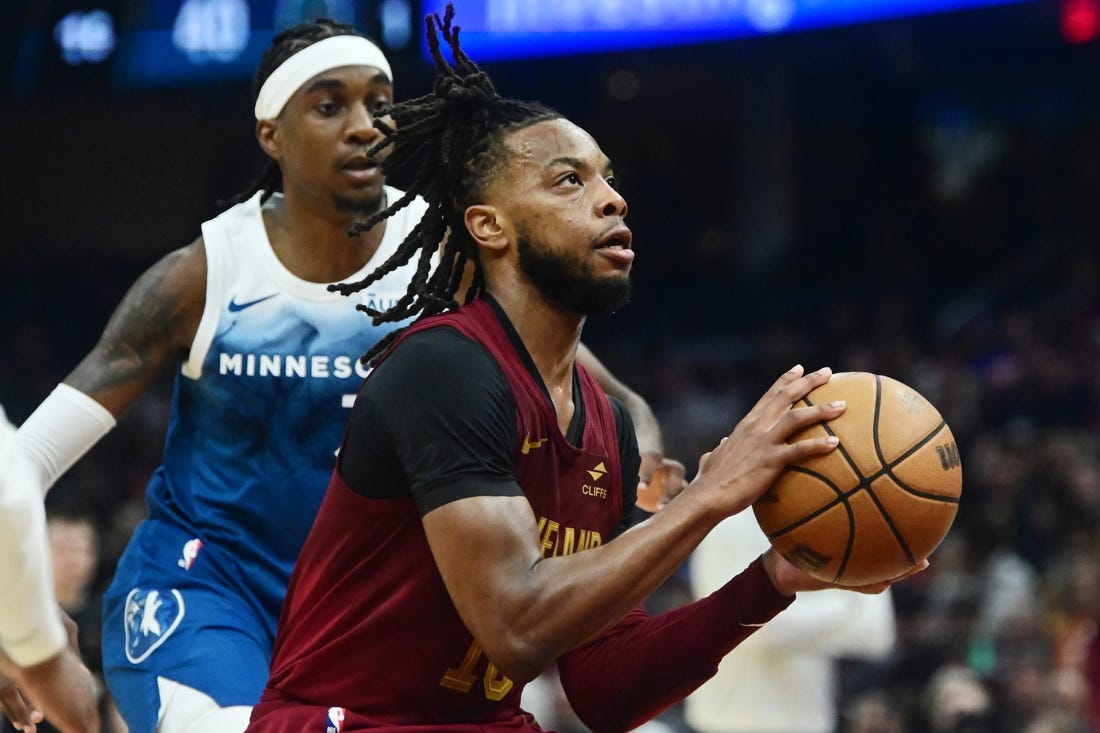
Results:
369 639
366 586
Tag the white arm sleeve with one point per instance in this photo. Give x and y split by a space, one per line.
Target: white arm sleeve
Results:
63 428
834 622
31 630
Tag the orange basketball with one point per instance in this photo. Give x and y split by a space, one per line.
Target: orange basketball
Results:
882 500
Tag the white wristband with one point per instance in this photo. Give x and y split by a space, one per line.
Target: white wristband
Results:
63 428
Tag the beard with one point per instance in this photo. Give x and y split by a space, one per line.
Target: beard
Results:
569 282
360 206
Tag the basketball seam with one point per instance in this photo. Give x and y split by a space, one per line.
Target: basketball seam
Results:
887 467
865 483
884 471
842 498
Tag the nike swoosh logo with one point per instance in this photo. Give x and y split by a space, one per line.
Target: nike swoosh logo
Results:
529 446
235 307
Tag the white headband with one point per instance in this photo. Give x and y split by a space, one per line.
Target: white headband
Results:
331 53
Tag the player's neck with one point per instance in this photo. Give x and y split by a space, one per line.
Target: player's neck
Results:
313 243
550 333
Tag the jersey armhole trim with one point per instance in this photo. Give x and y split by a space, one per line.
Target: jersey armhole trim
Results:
208 324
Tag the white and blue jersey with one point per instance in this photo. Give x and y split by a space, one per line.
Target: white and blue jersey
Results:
258 413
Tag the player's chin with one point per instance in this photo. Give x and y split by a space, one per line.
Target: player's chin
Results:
613 278
614 292
619 271
618 277
361 202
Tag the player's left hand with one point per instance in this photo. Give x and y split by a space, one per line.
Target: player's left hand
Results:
660 480
789 579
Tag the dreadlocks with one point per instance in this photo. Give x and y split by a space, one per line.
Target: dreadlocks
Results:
285 45
457 131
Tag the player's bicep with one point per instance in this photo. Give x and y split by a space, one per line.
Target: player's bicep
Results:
152 326
485 548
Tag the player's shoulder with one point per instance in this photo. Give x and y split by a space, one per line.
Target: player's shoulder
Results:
184 265
175 284
438 361
440 348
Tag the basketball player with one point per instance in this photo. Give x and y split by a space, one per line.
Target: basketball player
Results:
34 645
475 528
268 366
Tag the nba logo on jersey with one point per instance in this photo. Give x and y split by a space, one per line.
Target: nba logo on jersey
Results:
151 617
190 552
335 722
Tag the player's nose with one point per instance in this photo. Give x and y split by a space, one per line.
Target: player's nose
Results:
360 125
612 202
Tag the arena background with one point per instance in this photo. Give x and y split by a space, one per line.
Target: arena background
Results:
916 196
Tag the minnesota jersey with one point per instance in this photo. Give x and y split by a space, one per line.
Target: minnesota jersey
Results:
367 586
261 403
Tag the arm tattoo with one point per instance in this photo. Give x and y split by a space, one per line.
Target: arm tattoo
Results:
141 332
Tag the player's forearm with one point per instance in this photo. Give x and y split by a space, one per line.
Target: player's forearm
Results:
646 427
30 625
643 665
564 601
65 691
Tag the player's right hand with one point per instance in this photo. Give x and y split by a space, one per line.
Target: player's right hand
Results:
17 708
749 460
62 685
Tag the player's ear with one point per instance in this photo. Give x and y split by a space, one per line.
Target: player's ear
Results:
487 225
267 135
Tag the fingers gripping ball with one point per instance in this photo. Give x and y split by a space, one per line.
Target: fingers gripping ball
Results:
879 503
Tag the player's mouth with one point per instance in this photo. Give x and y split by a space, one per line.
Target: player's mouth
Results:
614 244
361 167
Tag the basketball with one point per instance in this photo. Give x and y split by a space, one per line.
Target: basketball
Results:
882 500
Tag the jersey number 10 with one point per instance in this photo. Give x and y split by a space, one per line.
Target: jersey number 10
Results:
463 678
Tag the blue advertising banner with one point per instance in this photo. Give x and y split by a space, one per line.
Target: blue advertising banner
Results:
506 29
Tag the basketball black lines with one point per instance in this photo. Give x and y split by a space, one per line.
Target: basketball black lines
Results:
882 500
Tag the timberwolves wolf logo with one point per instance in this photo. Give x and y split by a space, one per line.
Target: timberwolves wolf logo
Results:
151 617
335 721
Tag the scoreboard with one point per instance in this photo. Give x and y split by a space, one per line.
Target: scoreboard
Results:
157 43
144 44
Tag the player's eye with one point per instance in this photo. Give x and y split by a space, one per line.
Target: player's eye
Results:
613 182
571 178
